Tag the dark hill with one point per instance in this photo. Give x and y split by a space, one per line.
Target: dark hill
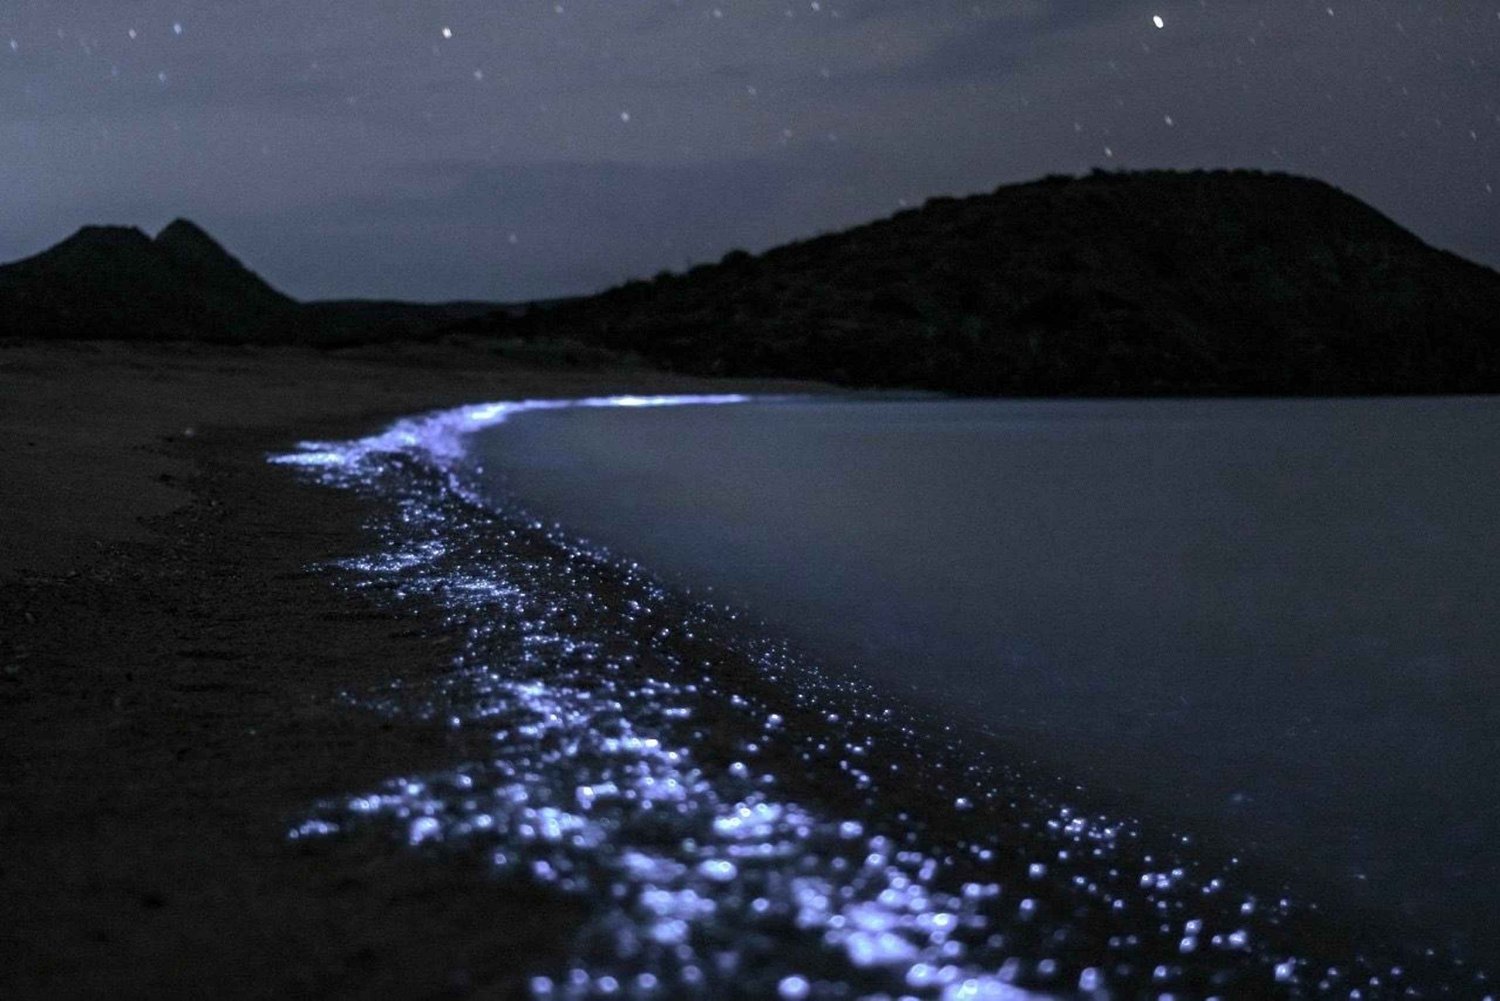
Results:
117 283
1162 282
200 260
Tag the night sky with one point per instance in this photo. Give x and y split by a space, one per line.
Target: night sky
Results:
521 149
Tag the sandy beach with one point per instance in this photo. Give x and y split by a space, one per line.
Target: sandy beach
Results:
169 674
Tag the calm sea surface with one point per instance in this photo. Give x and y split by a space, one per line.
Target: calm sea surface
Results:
1273 623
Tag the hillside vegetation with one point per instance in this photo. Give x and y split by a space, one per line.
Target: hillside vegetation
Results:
1162 282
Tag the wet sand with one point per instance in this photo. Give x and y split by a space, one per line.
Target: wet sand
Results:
169 679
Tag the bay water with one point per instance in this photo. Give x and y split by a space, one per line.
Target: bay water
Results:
1271 623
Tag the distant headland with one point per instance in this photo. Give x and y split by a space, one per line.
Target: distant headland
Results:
118 283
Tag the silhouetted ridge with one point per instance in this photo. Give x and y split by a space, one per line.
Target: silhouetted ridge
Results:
1163 282
187 243
101 237
115 282
189 237
87 247
202 260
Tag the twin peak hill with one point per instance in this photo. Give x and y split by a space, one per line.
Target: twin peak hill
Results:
1162 283
117 283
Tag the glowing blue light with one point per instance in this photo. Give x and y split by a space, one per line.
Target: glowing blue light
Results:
438 437
603 779
793 988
